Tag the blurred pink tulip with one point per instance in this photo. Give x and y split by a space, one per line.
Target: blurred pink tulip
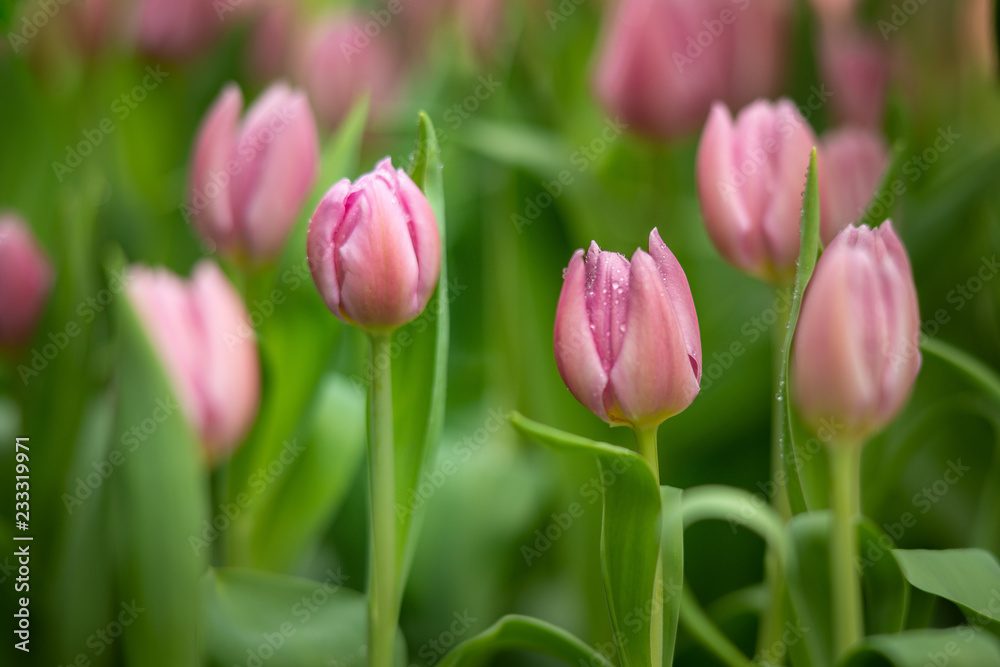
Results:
25 281
750 175
339 62
374 249
626 335
271 40
663 62
977 37
852 163
177 29
200 330
482 23
836 11
857 351
855 65
249 180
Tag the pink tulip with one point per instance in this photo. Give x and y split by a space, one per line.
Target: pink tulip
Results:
25 281
853 162
855 66
339 62
857 342
200 329
751 174
249 180
374 249
663 62
176 29
626 335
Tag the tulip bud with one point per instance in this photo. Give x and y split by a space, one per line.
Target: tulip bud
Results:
339 62
857 342
855 65
663 62
176 29
25 281
750 179
199 328
249 180
853 162
626 335
375 249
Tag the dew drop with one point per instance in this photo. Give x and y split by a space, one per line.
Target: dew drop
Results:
622 328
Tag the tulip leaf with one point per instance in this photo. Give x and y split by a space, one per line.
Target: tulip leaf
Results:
523 633
281 621
981 374
320 473
297 335
801 496
964 646
672 550
630 535
160 496
968 577
419 370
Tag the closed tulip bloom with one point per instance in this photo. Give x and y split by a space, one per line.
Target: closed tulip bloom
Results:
853 162
250 179
197 328
374 249
626 335
656 72
25 281
857 349
750 175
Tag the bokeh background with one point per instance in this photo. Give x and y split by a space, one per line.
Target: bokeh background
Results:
510 86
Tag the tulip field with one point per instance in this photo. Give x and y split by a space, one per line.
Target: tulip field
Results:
401 333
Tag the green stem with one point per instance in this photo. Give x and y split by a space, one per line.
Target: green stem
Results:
646 440
382 608
845 473
701 628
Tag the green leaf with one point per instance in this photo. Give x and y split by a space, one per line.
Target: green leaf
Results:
981 374
801 496
419 371
955 647
630 534
886 591
672 551
298 333
317 481
967 577
523 633
161 492
284 621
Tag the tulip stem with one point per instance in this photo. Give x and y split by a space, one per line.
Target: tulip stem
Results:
845 494
646 440
382 608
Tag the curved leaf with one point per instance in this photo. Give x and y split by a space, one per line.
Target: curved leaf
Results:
955 647
968 577
526 634
630 534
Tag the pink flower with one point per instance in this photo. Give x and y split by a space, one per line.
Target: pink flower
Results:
856 66
25 281
857 352
375 249
176 29
199 329
750 175
663 62
626 335
853 162
249 180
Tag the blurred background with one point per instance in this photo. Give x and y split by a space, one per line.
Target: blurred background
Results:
551 136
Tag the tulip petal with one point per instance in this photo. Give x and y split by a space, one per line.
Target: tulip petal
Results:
211 180
679 293
576 354
25 281
607 302
653 378
321 243
425 235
